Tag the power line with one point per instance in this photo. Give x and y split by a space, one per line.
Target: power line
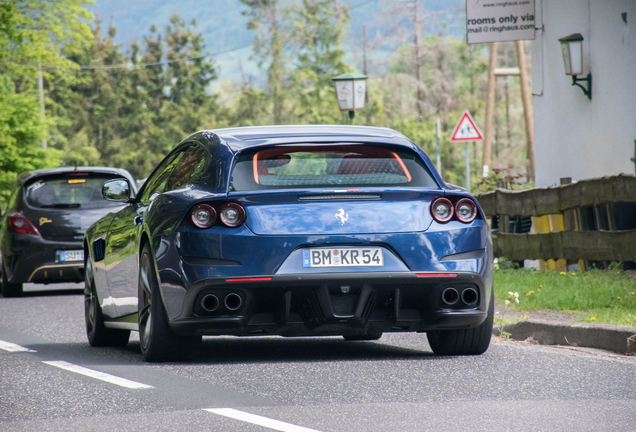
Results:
140 65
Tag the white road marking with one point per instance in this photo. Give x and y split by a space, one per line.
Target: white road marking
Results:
11 347
259 420
98 375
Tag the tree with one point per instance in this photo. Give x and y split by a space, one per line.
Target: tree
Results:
265 19
318 29
32 35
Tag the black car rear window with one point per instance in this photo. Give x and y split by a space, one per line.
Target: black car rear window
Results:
320 165
73 190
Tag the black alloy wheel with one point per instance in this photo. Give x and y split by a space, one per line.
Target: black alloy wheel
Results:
98 335
9 289
157 340
471 341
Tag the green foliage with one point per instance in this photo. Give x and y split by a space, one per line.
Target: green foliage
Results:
129 104
318 29
602 296
31 34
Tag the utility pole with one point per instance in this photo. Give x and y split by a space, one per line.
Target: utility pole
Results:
527 107
41 89
418 61
490 107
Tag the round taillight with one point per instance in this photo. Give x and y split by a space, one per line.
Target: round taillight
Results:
466 210
203 216
232 215
442 210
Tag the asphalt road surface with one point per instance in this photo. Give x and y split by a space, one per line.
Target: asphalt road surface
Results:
51 379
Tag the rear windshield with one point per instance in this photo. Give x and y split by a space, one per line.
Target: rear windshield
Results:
76 190
343 165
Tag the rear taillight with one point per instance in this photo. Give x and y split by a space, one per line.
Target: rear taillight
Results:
203 216
466 210
232 215
18 223
442 210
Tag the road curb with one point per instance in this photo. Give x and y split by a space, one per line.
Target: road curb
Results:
620 339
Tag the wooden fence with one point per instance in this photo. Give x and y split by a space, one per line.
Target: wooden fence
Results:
565 209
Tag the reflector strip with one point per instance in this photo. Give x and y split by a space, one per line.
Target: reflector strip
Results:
77 181
340 191
436 274
253 279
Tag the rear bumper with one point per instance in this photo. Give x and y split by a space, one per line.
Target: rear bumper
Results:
331 304
35 259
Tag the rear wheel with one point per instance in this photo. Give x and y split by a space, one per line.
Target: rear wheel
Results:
98 335
158 341
472 341
10 289
368 336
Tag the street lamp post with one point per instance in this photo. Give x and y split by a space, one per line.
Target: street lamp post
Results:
350 90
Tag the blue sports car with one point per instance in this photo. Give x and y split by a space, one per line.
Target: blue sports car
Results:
290 231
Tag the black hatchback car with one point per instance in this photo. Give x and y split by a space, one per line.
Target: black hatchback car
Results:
43 227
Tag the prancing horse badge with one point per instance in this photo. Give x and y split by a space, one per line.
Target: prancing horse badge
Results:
341 216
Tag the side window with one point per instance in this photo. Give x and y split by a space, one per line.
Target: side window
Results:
193 163
157 181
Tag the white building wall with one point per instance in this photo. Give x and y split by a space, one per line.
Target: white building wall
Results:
574 136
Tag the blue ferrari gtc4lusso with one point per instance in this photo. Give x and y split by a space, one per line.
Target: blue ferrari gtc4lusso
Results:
290 231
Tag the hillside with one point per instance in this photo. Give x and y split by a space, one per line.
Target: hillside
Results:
224 27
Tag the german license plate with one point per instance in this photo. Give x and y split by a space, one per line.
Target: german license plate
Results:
73 255
343 257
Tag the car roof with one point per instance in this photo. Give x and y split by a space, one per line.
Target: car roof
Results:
26 176
240 138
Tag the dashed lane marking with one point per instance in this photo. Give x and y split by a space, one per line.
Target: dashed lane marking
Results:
123 382
11 347
259 420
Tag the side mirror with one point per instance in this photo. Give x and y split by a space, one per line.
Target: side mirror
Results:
116 190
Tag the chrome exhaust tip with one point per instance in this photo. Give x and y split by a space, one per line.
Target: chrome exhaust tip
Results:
469 296
450 296
210 303
233 301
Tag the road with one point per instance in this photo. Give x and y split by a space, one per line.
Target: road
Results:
323 384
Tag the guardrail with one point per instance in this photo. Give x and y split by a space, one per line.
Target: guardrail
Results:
567 210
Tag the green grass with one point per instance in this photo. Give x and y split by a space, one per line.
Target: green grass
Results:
607 297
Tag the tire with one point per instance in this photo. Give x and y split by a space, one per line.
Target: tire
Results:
98 335
368 336
472 341
10 289
157 340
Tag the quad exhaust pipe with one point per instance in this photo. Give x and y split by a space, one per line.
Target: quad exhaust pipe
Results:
450 296
211 303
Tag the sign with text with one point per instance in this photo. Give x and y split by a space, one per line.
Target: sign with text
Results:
499 21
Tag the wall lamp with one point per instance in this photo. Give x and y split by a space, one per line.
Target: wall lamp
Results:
572 50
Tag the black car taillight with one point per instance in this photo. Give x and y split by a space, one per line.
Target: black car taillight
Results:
232 215
442 210
203 216
466 210
19 223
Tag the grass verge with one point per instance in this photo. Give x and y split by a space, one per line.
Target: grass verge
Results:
607 297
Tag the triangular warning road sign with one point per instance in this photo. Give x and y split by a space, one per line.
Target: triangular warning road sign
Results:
466 129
